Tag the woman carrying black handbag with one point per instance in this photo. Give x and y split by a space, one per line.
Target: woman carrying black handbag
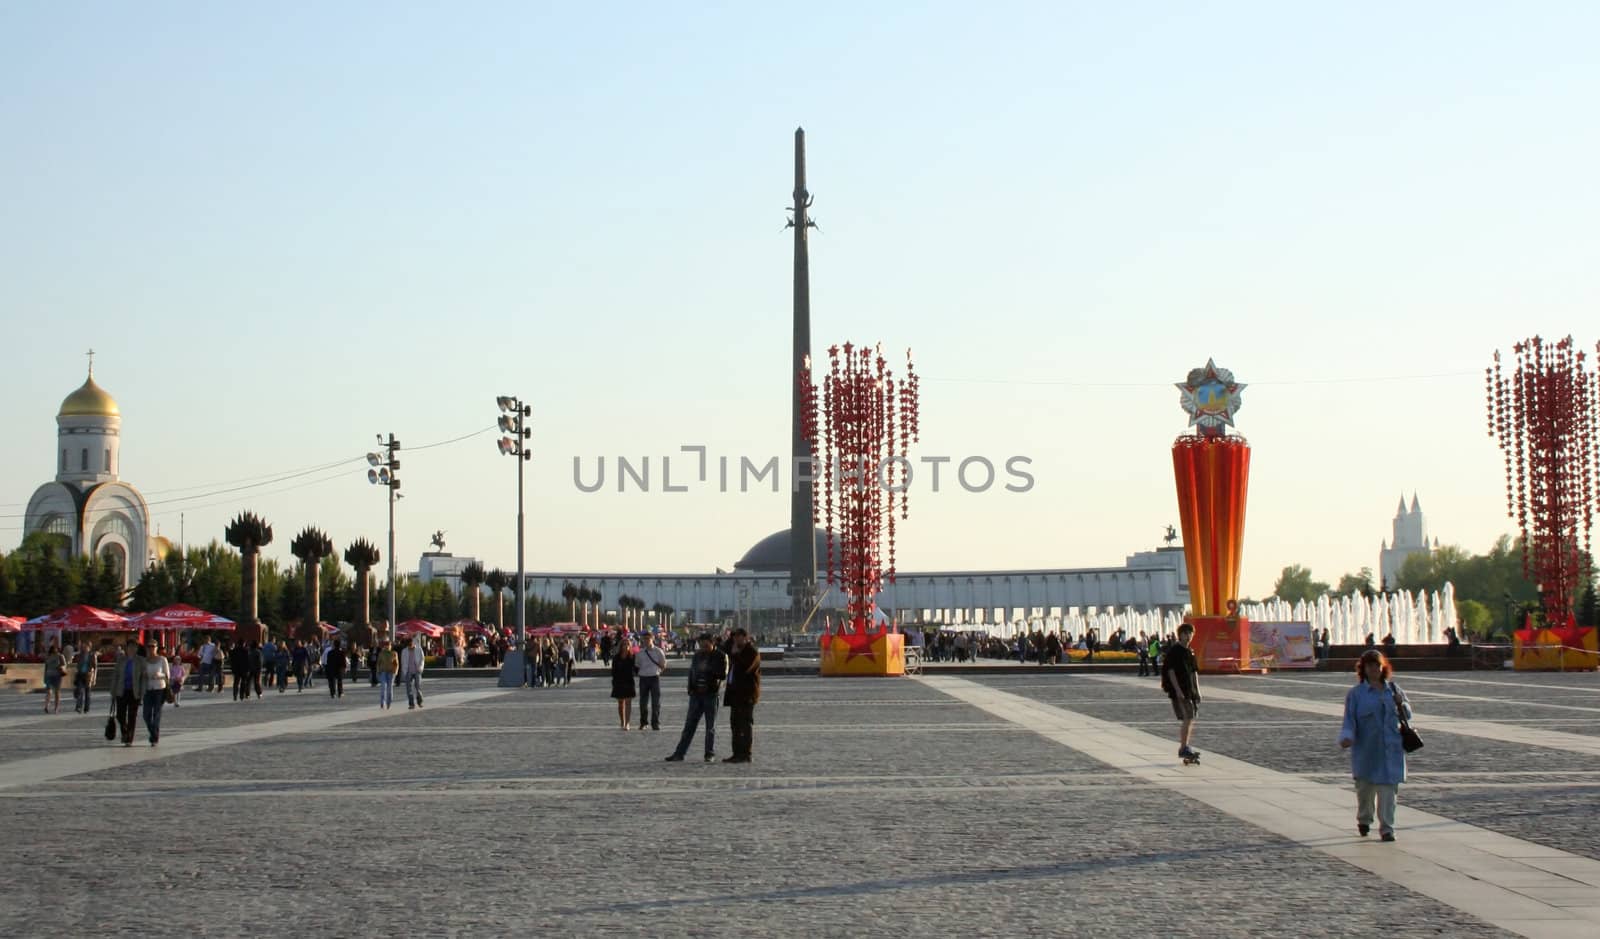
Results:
1376 717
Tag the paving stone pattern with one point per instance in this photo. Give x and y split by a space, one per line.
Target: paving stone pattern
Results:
873 806
1482 782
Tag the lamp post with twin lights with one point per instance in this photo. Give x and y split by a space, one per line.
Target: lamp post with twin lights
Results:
385 472
513 425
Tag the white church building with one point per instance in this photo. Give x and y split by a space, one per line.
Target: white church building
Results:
87 504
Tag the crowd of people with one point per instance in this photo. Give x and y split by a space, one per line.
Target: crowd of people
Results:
146 676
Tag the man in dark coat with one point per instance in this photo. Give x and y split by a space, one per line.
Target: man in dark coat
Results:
742 694
255 661
706 671
333 670
239 664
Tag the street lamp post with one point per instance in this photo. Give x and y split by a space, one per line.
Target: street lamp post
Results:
385 472
513 423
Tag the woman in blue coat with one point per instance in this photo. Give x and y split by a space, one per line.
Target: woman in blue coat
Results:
1371 732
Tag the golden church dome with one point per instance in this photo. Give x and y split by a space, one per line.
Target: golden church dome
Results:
89 401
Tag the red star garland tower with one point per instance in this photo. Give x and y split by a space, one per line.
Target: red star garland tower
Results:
860 435
1546 418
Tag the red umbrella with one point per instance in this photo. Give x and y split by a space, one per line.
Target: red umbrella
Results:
10 624
80 618
183 616
412 627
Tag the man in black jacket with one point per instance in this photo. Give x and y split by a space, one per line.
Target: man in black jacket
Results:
333 670
254 660
706 672
239 664
744 691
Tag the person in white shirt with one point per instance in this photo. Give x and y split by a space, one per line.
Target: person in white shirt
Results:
151 676
649 663
412 661
209 667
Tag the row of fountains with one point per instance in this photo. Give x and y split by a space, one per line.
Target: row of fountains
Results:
1413 619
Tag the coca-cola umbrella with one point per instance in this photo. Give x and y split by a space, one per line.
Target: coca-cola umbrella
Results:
80 617
184 616
178 616
414 627
10 624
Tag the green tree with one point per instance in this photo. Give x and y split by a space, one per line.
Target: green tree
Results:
215 576
158 587
291 601
1476 618
1357 583
1494 579
98 582
44 582
439 602
1587 614
8 584
1295 584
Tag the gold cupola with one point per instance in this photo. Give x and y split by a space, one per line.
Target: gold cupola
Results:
89 401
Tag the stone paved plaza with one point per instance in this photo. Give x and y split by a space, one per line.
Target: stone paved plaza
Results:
962 805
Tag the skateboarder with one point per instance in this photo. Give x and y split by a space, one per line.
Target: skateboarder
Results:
1180 680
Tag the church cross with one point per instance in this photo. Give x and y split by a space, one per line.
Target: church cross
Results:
91 363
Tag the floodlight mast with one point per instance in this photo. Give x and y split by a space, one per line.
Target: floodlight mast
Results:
513 421
387 475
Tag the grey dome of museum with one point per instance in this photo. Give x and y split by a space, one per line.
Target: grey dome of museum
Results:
770 555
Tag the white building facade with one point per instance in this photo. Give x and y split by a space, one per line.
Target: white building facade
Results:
756 591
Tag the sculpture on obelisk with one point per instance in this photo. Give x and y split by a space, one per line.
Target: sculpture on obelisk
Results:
802 544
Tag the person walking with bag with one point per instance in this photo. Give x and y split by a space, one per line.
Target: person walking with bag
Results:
649 664
744 692
124 678
151 678
412 661
1373 713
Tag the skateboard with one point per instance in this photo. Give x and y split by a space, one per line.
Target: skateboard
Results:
1189 757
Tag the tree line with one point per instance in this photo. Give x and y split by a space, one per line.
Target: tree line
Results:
38 578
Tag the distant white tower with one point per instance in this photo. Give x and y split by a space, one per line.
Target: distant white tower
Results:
1410 537
88 506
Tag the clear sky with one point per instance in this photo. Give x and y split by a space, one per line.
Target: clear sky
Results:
286 228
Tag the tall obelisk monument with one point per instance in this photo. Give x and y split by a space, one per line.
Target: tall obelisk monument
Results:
802 546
